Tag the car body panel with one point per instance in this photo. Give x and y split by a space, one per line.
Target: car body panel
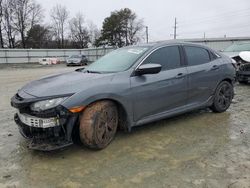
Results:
245 55
202 80
167 89
71 82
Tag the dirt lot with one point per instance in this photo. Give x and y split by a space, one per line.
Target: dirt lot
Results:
199 149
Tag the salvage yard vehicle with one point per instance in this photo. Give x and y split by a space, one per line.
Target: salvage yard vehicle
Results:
77 60
240 53
128 87
49 61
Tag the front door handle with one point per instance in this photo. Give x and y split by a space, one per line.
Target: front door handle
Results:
180 75
215 67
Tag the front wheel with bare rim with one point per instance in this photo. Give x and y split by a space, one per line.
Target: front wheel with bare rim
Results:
98 124
223 97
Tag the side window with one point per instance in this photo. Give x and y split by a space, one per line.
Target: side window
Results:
196 55
167 57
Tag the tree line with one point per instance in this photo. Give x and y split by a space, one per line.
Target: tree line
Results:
22 26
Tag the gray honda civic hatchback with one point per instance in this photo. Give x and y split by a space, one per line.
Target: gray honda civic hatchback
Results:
128 87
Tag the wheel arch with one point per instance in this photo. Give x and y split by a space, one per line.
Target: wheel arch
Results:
124 110
227 79
230 80
123 114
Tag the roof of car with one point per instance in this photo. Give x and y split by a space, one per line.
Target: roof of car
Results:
168 42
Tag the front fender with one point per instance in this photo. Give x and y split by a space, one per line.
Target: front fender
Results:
119 93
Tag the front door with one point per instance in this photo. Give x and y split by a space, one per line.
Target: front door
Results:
162 92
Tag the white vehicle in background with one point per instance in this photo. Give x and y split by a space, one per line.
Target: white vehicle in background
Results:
49 61
240 53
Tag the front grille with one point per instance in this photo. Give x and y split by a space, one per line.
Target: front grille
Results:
52 134
245 67
34 122
37 122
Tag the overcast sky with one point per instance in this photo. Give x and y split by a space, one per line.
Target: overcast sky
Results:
216 18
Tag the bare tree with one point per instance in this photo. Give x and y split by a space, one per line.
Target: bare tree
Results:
134 28
8 22
78 32
94 32
1 24
59 15
27 13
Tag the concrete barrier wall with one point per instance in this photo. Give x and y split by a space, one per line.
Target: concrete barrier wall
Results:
33 55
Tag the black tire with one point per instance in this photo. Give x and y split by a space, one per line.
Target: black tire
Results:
98 124
223 97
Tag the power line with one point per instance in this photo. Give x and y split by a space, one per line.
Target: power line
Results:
235 14
231 27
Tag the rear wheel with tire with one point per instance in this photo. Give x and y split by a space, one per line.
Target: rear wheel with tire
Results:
98 124
223 97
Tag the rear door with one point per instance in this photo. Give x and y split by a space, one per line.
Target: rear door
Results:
203 73
162 92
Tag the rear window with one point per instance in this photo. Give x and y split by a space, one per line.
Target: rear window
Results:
196 55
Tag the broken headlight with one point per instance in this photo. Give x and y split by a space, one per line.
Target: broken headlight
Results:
46 104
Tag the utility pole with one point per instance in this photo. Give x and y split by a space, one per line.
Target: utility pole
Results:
147 34
204 36
175 28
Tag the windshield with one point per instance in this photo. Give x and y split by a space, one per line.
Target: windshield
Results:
238 47
74 56
118 60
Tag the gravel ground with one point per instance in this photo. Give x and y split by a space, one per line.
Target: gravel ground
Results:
198 149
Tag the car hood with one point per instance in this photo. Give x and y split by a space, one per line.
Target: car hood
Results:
66 83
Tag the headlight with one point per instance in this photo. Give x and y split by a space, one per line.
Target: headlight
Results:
46 104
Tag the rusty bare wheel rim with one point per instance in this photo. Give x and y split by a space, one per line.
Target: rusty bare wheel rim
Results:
106 126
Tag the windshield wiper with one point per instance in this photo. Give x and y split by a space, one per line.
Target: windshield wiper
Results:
89 71
79 70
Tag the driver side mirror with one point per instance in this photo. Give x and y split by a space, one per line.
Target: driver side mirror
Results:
148 69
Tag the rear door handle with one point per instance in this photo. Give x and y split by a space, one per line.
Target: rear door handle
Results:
180 75
215 67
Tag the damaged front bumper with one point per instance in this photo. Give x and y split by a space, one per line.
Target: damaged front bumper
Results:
45 131
243 76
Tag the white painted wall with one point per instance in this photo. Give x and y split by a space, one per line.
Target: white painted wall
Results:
32 55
